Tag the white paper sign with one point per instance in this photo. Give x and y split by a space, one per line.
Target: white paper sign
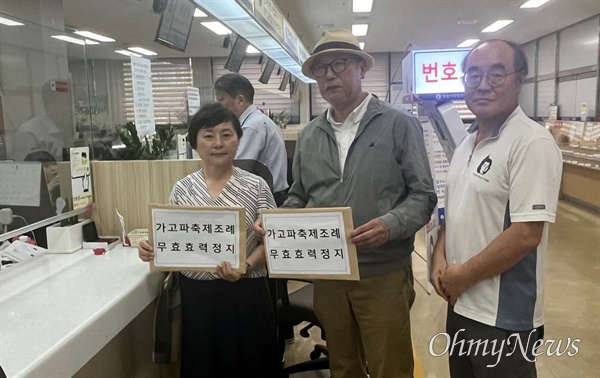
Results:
20 183
196 238
81 177
307 244
193 98
143 104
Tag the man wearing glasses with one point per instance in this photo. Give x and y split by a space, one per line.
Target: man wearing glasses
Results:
502 191
365 154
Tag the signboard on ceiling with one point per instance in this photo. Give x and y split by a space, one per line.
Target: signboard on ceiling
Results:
248 4
176 24
437 74
268 12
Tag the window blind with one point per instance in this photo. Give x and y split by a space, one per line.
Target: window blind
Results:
170 79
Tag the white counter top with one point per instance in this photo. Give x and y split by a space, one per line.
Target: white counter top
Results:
58 311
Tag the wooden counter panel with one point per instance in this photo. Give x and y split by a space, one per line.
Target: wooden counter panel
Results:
581 183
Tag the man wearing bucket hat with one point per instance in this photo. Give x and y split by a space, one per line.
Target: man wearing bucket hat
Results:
368 155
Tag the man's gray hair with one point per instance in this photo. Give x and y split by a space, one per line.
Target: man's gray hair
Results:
520 63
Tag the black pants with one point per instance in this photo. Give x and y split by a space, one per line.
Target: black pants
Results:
507 362
229 329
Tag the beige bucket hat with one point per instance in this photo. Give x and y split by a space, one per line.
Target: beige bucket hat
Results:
336 40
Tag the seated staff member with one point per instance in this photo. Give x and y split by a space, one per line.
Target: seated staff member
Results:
229 327
263 141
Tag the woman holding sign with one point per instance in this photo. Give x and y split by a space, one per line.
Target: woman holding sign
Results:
229 327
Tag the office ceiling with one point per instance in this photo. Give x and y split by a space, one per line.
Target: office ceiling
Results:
393 24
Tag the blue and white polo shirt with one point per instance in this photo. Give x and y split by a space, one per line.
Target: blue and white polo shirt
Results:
512 176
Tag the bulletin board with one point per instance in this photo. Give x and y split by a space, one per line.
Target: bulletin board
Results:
310 243
192 238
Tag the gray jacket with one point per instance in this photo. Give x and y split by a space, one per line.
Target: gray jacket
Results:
386 175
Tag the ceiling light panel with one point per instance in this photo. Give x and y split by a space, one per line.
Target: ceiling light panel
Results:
252 50
360 30
199 13
362 6
534 4
66 38
128 53
216 27
9 22
94 36
468 43
141 50
500 24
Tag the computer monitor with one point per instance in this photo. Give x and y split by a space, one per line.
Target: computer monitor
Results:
237 54
267 71
284 81
294 86
175 24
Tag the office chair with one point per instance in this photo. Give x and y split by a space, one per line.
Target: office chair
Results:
257 168
296 308
290 309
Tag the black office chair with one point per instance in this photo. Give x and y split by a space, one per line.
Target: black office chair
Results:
296 308
290 309
256 167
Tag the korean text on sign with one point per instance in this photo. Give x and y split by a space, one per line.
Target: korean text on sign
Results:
306 243
196 238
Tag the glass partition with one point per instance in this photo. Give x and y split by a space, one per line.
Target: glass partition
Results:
44 101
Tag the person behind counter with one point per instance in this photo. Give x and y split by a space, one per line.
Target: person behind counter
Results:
229 327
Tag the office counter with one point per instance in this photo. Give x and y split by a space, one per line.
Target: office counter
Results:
58 311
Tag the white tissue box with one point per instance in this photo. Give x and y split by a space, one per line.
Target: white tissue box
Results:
66 239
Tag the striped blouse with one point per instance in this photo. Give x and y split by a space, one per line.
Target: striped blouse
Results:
243 189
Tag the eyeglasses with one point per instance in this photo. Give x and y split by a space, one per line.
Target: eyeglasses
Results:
337 66
494 78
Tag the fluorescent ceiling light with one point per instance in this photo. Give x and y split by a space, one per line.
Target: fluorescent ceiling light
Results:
534 3
252 50
362 45
216 27
128 53
359 6
141 50
90 42
199 13
497 26
360 30
66 38
468 43
7 22
94 36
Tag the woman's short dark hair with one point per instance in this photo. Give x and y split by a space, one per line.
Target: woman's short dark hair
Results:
209 116
235 84
42 156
